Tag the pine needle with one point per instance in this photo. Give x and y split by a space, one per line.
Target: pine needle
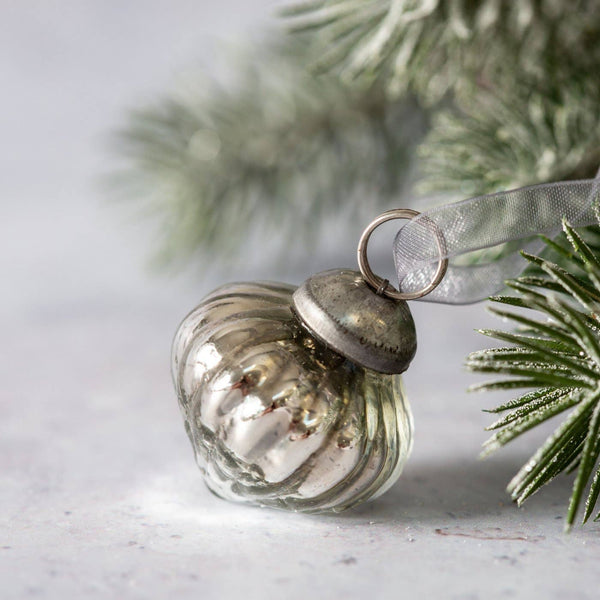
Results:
331 120
561 358
432 47
273 152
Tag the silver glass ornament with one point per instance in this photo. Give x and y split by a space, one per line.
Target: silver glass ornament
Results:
292 398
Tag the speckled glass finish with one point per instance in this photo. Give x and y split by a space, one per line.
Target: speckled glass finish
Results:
274 416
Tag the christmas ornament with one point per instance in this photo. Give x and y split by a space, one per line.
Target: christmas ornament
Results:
292 398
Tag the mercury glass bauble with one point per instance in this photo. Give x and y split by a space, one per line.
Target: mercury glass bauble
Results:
275 416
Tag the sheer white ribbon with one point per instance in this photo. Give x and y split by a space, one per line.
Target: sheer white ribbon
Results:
485 222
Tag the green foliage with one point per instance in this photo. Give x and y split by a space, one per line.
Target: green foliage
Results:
283 147
329 120
518 79
559 356
435 46
515 137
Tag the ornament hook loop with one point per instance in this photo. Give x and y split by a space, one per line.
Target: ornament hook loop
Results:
382 286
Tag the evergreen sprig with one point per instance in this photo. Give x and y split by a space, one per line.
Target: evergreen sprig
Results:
281 147
516 137
435 46
508 92
559 356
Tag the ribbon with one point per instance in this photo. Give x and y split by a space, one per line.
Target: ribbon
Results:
512 220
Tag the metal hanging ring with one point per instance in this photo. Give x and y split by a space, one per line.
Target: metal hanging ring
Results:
382 286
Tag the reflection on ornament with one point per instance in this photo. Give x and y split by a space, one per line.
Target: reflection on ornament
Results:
277 406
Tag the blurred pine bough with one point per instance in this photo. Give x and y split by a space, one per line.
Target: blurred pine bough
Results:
473 96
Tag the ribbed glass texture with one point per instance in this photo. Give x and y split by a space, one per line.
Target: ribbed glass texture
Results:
275 417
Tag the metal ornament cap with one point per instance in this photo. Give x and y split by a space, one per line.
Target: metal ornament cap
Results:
341 310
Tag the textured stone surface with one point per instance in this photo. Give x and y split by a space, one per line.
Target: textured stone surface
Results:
99 493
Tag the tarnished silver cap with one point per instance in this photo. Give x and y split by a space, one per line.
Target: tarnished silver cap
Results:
340 309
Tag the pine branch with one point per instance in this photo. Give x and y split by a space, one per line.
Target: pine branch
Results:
560 357
285 145
522 77
433 46
503 139
280 149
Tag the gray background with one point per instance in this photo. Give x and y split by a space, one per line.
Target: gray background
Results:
99 494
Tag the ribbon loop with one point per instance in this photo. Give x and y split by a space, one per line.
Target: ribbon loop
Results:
486 222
